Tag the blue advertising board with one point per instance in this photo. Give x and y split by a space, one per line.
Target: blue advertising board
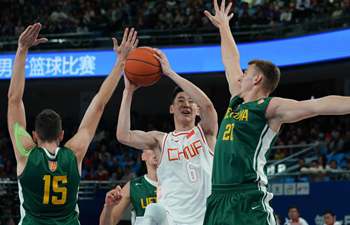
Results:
187 60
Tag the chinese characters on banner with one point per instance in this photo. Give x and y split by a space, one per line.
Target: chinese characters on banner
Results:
55 66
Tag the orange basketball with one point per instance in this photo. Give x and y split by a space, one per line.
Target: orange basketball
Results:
142 68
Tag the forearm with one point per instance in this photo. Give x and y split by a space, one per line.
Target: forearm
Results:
16 89
106 216
332 105
124 115
110 83
229 50
196 94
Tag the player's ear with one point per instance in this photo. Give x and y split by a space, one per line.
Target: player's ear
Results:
35 136
171 109
198 110
258 78
61 135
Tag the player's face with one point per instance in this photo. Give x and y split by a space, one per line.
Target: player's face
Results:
184 108
293 214
249 79
329 219
150 157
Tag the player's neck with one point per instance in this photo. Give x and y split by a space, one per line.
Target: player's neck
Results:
50 146
151 174
183 127
254 95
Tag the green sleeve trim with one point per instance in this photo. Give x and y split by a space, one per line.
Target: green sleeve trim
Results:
20 132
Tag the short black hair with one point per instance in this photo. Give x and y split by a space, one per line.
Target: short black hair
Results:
176 91
329 212
48 125
293 207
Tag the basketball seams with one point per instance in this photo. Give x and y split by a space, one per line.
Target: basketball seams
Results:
143 61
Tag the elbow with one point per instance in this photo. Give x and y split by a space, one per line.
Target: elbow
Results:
122 136
13 98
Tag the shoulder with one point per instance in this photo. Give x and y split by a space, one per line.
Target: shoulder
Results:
158 135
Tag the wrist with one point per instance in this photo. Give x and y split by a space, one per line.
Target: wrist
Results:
128 91
120 62
21 49
108 208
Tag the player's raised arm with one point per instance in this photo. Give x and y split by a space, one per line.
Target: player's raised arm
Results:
81 140
229 50
283 110
16 120
208 115
134 138
116 202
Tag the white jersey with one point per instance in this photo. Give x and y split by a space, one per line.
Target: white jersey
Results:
184 176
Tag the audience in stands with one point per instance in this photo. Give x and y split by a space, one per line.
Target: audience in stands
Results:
75 16
294 217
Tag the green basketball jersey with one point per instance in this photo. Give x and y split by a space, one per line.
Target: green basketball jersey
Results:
243 144
48 187
143 192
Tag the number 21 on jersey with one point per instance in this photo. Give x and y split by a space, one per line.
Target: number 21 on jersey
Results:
56 189
228 134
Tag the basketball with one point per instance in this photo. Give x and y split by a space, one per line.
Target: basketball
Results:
142 68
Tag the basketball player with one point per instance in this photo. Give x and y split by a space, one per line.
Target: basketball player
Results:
49 175
139 192
248 130
185 154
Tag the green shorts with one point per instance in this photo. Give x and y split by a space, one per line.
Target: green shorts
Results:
245 204
31 220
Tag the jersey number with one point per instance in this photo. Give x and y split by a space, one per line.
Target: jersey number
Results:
228 134
55 185
192 173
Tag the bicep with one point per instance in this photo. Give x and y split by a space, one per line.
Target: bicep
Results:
20 138
141 140
290 111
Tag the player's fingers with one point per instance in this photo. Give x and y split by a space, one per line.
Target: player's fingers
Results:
157 57
228 8
230 16
222 7
126 31
134 37
27 30
131 34
216 6
115 42
208 14
136 43
39 41
35 30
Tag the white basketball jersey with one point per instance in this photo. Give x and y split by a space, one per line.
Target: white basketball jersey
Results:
184 175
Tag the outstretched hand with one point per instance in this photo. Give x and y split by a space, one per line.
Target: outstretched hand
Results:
29 37
164 62
222 15
128 43
113 197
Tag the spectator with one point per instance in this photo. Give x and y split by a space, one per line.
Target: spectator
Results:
329 218
294 217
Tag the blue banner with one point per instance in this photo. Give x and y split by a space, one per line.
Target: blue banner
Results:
187 60
313 199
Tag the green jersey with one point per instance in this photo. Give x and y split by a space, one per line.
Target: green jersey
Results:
143 192
243 144
48 188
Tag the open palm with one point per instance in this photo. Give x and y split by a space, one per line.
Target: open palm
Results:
222 15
